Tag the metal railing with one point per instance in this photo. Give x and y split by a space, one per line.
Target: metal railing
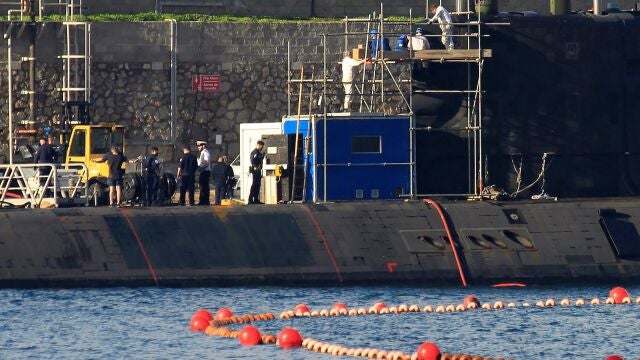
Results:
71 8
33 185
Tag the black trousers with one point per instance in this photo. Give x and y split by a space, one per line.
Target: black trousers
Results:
220 189
44 171
254 193
187 183
204 187
151 193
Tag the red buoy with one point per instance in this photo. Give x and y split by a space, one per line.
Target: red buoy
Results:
198 324
339 306
379 306
203 314
223 314
614 357
428 351
618 293
249 336
289 338
301 308
471 299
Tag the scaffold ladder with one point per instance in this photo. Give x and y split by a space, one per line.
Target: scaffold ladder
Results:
76 80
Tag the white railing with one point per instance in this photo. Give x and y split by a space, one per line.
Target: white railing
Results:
35 185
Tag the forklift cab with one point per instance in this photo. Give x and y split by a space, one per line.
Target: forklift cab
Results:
89 142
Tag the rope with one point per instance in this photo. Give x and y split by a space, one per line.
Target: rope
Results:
450 236
324 241
142 249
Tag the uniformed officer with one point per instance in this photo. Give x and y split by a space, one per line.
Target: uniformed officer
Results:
151 168
187 175
204 165
44 155
231 180
256 171
219 175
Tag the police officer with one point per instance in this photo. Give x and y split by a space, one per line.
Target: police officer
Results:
187 175
256 170
151 168
231 181
219 175
44 155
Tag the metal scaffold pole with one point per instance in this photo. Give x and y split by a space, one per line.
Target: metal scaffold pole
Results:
10 88
324 119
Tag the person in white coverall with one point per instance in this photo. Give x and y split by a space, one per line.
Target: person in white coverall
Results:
443 17
419 41
348 63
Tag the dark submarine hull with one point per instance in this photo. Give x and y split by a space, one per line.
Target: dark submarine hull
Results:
377 242
565 85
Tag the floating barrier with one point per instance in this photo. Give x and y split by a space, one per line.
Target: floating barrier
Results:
288 338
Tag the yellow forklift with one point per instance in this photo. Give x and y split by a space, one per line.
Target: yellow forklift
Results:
90 142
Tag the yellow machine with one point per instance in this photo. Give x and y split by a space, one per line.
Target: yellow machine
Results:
89 142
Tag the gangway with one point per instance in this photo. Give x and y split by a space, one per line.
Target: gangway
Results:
40 185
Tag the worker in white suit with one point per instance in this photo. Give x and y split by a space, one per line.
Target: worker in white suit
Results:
443 17
419 41
348 63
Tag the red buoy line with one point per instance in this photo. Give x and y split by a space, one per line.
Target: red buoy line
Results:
205 322
445 224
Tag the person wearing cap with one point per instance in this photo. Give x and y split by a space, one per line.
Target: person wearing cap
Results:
151 170
377 44
256 171
348 63
419 41
204 165
186 175
44 155
443 17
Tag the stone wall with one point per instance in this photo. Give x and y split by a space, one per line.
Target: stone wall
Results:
131 77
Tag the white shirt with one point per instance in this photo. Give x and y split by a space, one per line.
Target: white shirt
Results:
419 42
204 160
348 63
442 16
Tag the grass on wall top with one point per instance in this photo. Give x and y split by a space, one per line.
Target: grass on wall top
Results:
150 16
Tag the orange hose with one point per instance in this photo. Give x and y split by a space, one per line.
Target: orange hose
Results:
448 232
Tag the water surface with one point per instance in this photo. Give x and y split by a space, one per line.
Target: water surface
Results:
152 323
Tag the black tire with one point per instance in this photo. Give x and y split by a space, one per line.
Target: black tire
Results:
168 185
131 187
98 193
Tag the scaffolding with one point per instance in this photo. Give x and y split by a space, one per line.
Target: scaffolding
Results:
76 92
76 69
376 73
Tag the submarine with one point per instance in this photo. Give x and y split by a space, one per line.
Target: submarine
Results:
516 163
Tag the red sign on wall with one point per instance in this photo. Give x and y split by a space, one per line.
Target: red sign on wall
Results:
205 83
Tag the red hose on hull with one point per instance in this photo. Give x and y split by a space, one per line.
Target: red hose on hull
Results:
449 235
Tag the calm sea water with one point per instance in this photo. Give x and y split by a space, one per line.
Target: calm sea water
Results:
152 323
